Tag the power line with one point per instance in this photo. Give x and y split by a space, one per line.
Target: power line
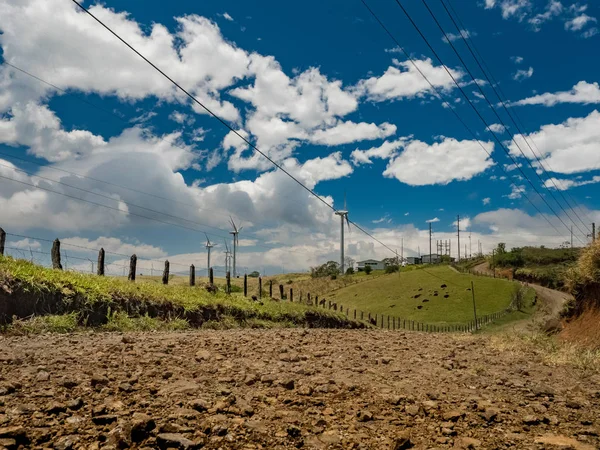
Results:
451 108
475 109
505 109
195 100
497 85
72 95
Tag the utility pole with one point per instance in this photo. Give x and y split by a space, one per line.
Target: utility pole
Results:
493 262
458 234
571 237
430 242
465 251
402 251
470 248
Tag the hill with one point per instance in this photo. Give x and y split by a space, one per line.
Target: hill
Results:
437 295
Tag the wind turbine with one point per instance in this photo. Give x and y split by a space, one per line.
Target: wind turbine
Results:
227 257
208 247
235 234
343 215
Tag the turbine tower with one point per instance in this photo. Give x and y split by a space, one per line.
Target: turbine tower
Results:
227 257
208 247
235 233
343 215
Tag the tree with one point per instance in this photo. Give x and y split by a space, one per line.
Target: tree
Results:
501 248
325 270
254 274
390 262
349 262
368 269
350 271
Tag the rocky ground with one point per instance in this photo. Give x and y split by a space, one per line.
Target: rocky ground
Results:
279 389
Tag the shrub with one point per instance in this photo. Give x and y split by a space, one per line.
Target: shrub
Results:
350 271
391 268
254 274
368 269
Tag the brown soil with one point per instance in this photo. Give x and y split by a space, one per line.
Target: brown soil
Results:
279 389
584 329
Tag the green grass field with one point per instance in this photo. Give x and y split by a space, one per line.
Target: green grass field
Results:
402 294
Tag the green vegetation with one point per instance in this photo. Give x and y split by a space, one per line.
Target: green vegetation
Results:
330 268
412 295
69 299
368 270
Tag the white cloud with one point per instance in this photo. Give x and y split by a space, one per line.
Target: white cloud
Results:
227 16
386 218
497 128
514 8
486 201
435 219
25 244
579 22
384 151
456 36
181 118
590 33
521 74
405 82
517 59
565 184
553 9
421 164
347 132
406 213
465 223
489 4
114 245
569 147
583 92
516 192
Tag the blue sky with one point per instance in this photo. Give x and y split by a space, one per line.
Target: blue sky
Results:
326 93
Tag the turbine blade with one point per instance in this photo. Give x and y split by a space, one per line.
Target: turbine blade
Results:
348 222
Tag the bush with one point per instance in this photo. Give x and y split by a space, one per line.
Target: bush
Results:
368 269
391 268
350 271
333 276
325 270
254 274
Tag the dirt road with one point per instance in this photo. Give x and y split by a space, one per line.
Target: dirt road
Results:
280 389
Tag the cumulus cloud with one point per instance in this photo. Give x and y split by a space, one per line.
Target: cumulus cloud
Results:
227 16
565 183
384 151
583 92
347 132
570 147
521 74
114 245
579 22
435 219
405 81
497 128
517 59
25 244
486 201
421 164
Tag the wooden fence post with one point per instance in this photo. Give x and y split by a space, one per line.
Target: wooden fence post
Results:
55 252
100 269
281 291
228 282
165 277
192 275
316 300
355 314
388 322
259 287
132 267
211 278
308 299
2 240
245 285
271 288
291 295
361 315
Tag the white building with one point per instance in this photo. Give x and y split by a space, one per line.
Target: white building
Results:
373 263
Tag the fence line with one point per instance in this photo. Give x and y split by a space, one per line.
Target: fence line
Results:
379 320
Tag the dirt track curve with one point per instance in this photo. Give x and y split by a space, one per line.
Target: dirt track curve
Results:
280 389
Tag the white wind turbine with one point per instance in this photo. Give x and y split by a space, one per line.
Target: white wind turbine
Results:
235 234
208 247
343 215
227 257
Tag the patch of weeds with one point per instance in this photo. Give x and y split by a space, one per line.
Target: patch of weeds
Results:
65 323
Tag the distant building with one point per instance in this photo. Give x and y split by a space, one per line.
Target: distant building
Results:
410 260
431 259
373 263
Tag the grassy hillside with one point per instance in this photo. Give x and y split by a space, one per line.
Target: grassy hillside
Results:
412 295
27 290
